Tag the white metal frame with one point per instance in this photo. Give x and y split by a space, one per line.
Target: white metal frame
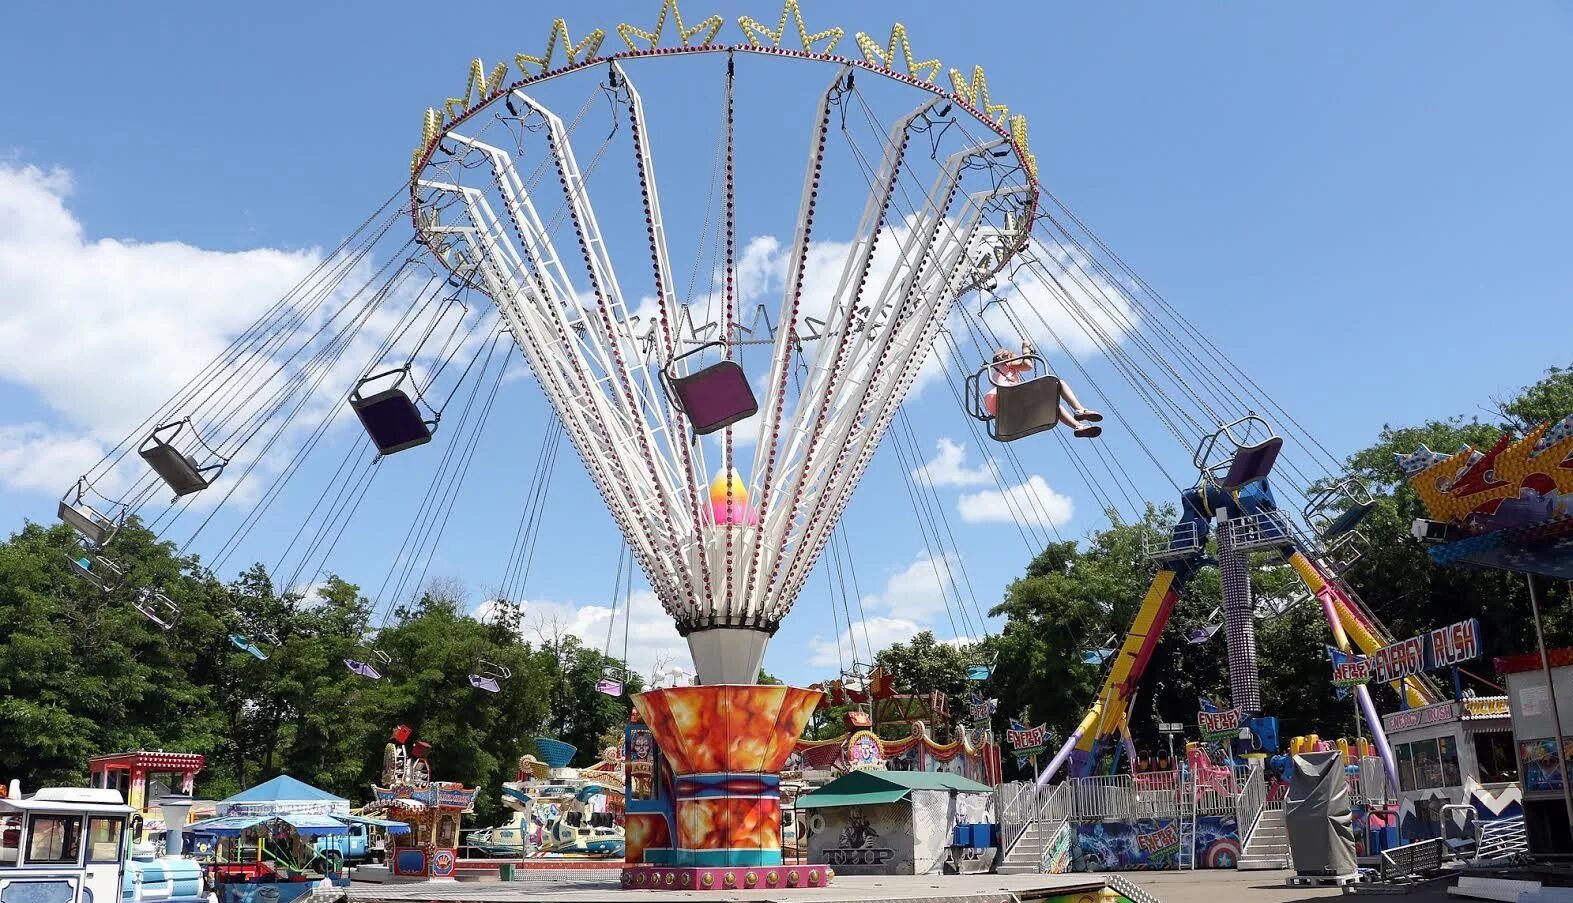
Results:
600 368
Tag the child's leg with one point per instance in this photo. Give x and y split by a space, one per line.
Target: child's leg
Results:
1067 393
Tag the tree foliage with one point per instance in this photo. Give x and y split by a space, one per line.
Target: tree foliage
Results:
82 673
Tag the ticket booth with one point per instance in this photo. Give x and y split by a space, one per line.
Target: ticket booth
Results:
1451 754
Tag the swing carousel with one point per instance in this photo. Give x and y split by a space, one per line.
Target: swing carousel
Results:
724 421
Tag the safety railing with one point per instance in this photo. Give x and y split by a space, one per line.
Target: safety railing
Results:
1118 797
1021 805
1183 540
1502 838
1264 530
1252 802
1015 810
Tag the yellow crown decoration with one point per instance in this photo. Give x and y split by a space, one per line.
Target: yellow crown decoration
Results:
754 29
478 87
976 95
709 26
1449 498
482 83
886 58
585 49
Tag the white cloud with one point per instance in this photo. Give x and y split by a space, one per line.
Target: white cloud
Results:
948 467
881 632
652 637
104 330
1033 502
124 323
908 604
33 457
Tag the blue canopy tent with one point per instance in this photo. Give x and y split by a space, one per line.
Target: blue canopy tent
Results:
293 807
305 808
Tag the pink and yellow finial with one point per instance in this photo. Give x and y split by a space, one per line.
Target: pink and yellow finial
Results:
729 500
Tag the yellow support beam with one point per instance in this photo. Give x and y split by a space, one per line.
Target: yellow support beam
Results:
1110 709
1348 627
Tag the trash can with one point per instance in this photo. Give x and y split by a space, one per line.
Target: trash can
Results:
504 871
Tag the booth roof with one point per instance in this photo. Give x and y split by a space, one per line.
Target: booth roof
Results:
283 789
866 788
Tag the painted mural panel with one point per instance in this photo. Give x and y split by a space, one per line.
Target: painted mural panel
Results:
1150 844
863 840
1057 858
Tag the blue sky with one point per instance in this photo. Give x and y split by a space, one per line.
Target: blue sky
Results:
1365 207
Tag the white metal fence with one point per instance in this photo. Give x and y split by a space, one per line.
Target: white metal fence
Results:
1251 802
1020 805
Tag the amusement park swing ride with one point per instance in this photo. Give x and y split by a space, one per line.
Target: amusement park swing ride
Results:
727 441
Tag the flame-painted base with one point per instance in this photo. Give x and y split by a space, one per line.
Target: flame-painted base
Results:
656 877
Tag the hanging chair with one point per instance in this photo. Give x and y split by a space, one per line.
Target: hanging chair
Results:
980 668
391 417
1100 655
244 644
612 681
712 398
97 570
1095 656
181 471
1233 458
1018 410
1203 631
489 676
1338 509
365 668
94 526
156 607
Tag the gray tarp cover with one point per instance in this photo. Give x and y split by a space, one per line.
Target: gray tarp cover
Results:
1316 814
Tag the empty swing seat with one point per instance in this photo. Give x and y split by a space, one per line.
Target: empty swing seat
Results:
485 682
156 607
175 467
363 669
390 417
1025 408
1201 633
715 397
1252 463
980 672
93 526
244 644
1347 521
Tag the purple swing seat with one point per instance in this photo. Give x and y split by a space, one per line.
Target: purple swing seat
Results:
484 682
363 669
1252 463
715 397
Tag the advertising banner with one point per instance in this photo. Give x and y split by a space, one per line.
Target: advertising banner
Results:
1439 648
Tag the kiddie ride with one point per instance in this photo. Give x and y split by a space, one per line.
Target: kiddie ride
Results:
559 812
431 809
70 844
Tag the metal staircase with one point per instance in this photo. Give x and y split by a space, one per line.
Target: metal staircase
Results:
1268 845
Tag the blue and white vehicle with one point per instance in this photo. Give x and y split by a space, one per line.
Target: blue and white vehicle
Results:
70 845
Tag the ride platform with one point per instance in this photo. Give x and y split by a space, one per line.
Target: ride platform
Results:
569 886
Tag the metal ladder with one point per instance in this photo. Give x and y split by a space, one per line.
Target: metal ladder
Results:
1186 858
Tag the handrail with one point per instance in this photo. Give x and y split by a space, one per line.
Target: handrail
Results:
1252 802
